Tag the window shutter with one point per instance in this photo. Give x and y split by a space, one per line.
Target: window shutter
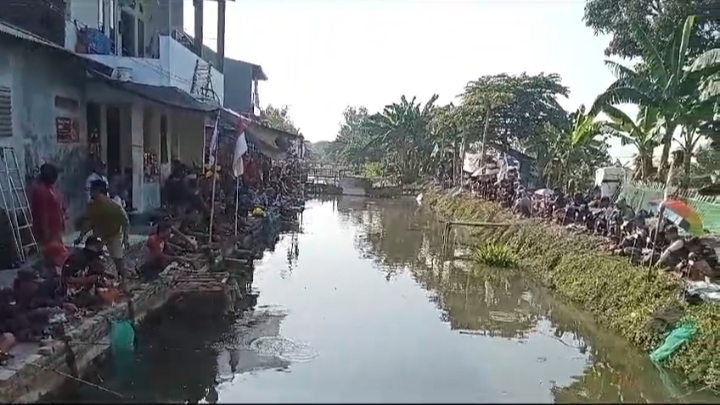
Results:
6 129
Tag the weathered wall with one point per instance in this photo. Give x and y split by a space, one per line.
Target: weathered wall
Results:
186 132
36 77
238 85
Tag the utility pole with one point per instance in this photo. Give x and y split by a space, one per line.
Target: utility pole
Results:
198 26
221 36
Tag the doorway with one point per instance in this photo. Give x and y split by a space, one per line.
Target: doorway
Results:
92 117
113 141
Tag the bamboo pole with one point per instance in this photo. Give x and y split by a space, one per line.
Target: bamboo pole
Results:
477 223
216 132
237 203
661 214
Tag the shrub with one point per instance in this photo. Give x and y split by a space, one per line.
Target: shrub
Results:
496 255
627 299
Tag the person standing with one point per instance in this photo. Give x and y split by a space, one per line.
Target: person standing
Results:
98 168
46 207
108 222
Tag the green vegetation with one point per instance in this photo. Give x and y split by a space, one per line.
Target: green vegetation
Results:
675 85
496 255
638 305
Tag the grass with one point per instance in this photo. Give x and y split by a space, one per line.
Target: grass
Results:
496 255
622 297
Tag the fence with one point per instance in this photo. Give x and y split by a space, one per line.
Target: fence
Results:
641 195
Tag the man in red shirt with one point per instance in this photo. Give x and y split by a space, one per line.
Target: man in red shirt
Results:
46 207
157 254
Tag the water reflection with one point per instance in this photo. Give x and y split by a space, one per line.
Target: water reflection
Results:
423 330
497 302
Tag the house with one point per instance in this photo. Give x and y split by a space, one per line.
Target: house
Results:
129 86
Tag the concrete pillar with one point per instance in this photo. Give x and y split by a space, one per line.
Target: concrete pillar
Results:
221 36
137 145
199 15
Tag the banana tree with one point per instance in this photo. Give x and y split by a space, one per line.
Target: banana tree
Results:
642 133
577 150
667 81
401 130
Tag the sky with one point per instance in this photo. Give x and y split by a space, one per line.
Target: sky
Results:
323 55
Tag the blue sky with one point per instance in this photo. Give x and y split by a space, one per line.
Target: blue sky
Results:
322 55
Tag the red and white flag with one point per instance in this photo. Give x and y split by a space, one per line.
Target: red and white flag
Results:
240 146
213 144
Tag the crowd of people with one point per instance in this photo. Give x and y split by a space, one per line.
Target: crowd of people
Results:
641 236
72 281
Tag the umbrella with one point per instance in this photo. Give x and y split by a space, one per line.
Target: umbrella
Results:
544 192
682 215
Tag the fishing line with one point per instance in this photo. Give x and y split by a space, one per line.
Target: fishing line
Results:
77 379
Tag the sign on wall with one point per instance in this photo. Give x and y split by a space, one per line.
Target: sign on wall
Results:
67 130
67 125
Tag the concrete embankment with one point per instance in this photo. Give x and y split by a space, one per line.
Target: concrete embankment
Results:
640 304
37 370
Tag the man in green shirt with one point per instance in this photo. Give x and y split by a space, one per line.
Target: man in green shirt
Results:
108 221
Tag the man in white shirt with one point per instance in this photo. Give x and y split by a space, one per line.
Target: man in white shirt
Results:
98 168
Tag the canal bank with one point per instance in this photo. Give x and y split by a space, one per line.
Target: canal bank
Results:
360 306
640 306
203 288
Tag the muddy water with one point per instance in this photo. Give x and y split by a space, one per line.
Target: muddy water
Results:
360 308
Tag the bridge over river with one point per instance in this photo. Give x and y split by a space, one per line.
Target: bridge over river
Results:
328 179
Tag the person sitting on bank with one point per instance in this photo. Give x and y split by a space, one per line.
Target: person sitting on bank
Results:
158 253
35 301
109 222
83 273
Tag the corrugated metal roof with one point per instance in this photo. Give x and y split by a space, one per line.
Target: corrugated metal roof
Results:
166 95
19 33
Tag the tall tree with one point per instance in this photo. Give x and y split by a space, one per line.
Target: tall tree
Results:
279 118
622 18
523 105
349 145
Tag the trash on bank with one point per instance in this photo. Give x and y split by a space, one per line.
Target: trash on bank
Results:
122 336
705 290
674 341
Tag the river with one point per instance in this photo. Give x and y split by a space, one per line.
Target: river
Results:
359 307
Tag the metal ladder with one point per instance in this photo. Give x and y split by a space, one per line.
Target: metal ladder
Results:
15 203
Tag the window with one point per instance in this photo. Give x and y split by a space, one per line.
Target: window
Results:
6 129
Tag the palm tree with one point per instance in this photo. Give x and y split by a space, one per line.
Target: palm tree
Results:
642 134
666 82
